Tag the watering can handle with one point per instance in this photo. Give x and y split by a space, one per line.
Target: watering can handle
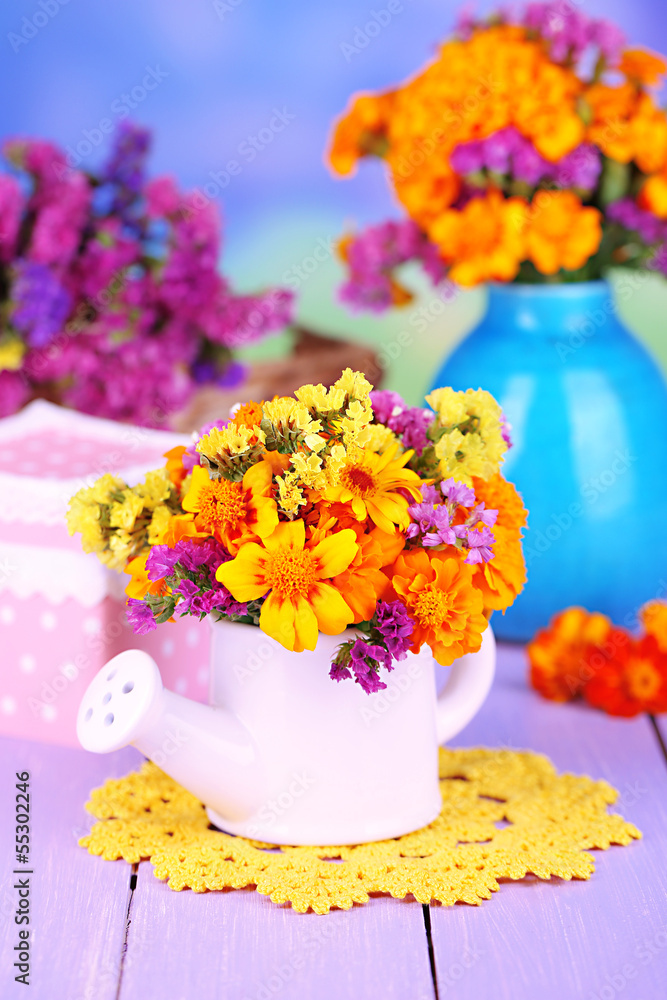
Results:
467 686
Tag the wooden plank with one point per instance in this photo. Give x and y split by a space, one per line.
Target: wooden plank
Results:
78 903
240 946
591 940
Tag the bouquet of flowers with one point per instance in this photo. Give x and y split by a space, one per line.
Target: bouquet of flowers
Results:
531 149
333 508
583 655
110 295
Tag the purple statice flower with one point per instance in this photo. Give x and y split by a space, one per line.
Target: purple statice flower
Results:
11 210
140 616
197 601
479 543
410 423
339 672
396 627
457 492
14 392
528 165
608 39
374 254
468 157
386 404
505 429
579 169
209 553
629 215
125 170
161 561
499 149
41 304
431 524
232 375
365 661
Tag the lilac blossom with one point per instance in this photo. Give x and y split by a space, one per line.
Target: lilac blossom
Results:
432 520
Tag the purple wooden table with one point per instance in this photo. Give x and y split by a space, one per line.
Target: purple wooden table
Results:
102 931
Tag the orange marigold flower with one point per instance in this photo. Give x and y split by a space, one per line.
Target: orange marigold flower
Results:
360 131
653 195
232 512
632 680
654 619
642 66
503 577
484 241
248 415
175 468
294 574
561 232
363 583
564 656
440 597
140 585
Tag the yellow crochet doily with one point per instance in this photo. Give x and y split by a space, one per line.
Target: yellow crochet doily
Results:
505 814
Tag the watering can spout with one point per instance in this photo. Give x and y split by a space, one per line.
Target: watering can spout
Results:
205 749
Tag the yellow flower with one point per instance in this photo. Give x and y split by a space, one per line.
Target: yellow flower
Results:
11 354
471 441
370 484
233 512
156 487
123 514
290 494
160 521
84 511
292 423
293 574
355 384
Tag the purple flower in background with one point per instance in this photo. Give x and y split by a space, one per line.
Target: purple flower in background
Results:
629 215
14 392
125 169
375 253
140 616
468 157
395 625
41 304
528 165
580 169
608 38
11 209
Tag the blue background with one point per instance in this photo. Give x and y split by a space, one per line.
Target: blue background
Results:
228 66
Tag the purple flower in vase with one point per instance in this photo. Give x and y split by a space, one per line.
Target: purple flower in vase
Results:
579 169
140 617
161 562
395 626
479 542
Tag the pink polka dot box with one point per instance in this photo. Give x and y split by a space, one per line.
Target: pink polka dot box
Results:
61 612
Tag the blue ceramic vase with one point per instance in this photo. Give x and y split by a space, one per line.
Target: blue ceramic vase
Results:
588 409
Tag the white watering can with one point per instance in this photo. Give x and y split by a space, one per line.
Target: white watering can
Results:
283 753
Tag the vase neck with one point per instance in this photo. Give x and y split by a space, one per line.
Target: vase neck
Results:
537 309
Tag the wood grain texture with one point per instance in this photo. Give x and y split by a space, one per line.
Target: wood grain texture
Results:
592 940
237 945
78 903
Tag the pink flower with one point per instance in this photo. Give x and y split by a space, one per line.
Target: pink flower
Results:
162 197
11 209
